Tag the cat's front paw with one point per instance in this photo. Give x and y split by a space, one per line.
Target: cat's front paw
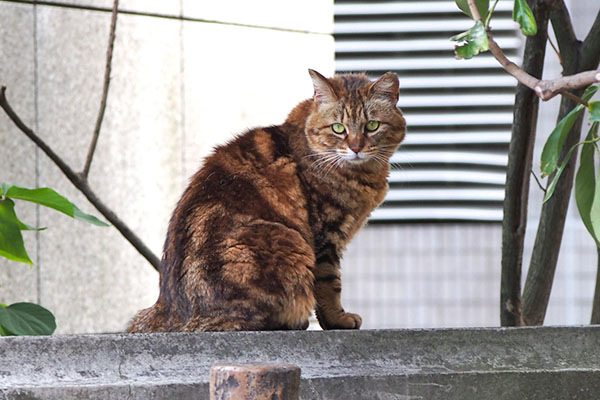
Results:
343 320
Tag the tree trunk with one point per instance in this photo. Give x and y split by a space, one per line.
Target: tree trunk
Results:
540 276
518 173
596 304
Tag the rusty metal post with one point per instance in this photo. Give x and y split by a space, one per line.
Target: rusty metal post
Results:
254 381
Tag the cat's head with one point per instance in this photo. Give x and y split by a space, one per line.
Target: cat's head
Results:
354 121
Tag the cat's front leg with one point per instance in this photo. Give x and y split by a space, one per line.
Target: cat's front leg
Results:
328 290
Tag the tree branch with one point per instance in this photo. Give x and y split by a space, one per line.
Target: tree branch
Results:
80 183
590 48
544 89
107 69
563 29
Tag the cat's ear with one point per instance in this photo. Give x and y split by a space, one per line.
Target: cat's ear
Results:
324 93
386 88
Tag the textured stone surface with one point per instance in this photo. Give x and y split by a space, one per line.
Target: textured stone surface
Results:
93 280
171 8
531 363
18 282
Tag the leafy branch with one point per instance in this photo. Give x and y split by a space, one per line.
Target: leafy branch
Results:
472 43
80 179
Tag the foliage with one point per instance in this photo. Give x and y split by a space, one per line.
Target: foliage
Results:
555 141
11 240
587 188
475 40
28 318
524 17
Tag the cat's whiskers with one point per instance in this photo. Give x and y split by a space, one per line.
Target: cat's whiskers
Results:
325 162
334 163
380 159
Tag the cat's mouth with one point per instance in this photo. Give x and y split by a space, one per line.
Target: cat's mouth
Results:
355 158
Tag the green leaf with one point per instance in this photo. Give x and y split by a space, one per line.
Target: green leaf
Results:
27 319
11 240
594 108
49 198
482 7
585 183
557 138
471 42
4 332
524 17
552 186
24 227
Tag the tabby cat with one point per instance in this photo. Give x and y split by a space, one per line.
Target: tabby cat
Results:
256 239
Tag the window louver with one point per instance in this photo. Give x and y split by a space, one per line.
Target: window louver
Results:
452 164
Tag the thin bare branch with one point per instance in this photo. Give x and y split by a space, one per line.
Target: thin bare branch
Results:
555 50
490 13
80 182
575 98
107 69
510 67
537 180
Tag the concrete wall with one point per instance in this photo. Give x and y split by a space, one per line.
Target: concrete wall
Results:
539 363
186 75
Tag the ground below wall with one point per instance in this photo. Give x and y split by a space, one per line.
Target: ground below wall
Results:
520 363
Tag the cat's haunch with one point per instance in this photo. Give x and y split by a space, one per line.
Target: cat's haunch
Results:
256 239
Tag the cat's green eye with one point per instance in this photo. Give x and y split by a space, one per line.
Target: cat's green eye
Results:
338 128
372 126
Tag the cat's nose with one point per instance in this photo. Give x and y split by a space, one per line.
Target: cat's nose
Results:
355 147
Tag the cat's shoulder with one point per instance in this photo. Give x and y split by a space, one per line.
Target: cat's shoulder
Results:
258 146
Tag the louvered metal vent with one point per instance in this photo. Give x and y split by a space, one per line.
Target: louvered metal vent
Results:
452 164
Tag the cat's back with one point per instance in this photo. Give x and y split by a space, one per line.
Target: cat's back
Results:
254 173
252 177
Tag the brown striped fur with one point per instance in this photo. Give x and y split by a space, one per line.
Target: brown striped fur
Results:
256 240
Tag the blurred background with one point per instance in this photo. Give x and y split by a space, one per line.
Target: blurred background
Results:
188 75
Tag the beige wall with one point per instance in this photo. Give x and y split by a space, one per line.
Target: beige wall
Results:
186 76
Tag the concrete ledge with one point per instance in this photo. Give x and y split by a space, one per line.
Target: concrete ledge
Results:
522 363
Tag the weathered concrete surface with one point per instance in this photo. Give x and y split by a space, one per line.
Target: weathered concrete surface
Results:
523 363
